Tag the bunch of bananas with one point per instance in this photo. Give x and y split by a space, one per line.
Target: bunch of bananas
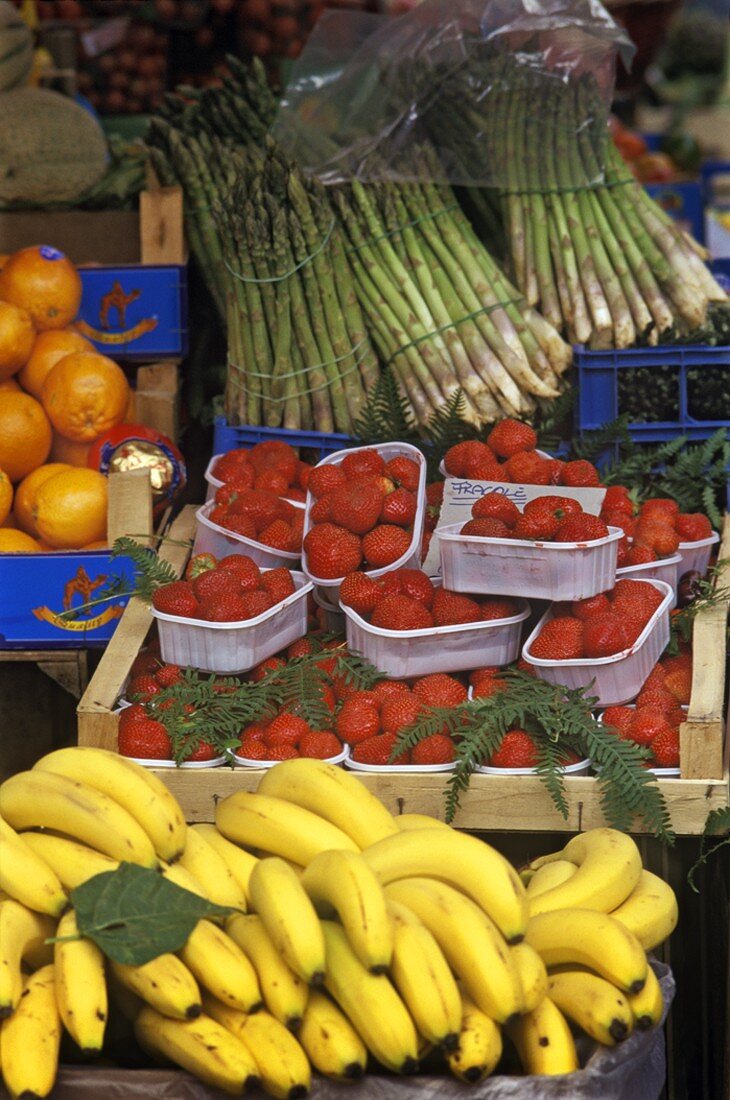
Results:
355 933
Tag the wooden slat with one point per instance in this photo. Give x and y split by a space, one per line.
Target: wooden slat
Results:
162 240
156 397
130 505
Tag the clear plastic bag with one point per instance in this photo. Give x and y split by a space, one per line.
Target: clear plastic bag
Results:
369 90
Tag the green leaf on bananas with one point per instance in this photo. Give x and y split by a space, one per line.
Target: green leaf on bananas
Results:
133 914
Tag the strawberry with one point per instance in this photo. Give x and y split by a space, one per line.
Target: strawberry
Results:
622 552
356 506
640 555
679 683
300 648
385 544
582 528
132 714
450 608
176 598
321 511
282 536
282 751
486 469
144 687
497 607
620 719
486 528
238 480
517 750
617 499
404 472
245 568
168 675
204 751
374 750
269 665
386 689
579 474
528 468
219 514
557 507
229 464
253 749
325 479
645 726
642 594
256 603
144 662
657 534
216 582
457 457
665 748
604 635
296 494
272 482
401 613
320 745
399 507
225 608
440 690
368 698
625 523
363 462
255 731
416 584
240 525
692 526
146 739
555 470
488 686
304 470
496 506
286 727
660 506
537 526
261 507
359 592
561 639
508 437
436 749
198 564
671 664
477 675
356 721
278 583
434 499
400 711
590 606
661 701
331 551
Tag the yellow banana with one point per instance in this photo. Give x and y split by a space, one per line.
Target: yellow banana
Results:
80 986
461 861
343 881
650 911
165 983
22 931
221 967
31 1039
405 822
370 1003
211 871
279 827
330 1041
647 1005
74 863
176 873
422 976
591 939
285 994
479 1046
201 1046
32 799
474 949
281 1064
239 862
289 917
334 794
532 973
26 877
609 865
543 1040
594 1004
548 877
141 793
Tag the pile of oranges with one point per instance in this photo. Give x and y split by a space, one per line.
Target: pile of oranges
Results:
57 396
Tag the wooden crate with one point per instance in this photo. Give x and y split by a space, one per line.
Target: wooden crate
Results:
492 803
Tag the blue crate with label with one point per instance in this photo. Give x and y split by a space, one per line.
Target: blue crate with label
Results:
38 588
683 200
227 437
136 311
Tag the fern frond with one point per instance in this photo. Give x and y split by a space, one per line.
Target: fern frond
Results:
717 824
386 414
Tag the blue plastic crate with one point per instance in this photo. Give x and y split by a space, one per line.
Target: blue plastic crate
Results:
684 201
135 311
227 437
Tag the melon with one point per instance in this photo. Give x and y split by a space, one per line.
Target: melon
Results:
51 150
16 48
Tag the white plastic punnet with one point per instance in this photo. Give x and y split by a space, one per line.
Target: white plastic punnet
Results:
211 538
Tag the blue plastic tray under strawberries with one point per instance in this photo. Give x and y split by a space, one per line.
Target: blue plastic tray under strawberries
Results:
135 312
35 590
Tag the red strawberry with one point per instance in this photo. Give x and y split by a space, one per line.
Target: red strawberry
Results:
225 608
660 701
270 664
557 507
219 514
256 603
620 719
579 474
458 456
590 606
486 469
300 648
400 711
658 534
177 598
540 527
320 745
487 687
278 583
132 714
604 635
401 613
367 698
262 507
286 727
374 750
231 461
146 739
404 472
204 751
239 479
324 479
415 584
216 582
529 468
296 494
449 608
665 747
304 470
662 506
508 437
198 564
385 689
282 536
692 526
477 675
679 683
582 528
617 499
640 555
385 544
436 749
399 507
331 551
625 523
272 482
144 662
245 568
168 675
434 498
362 462
359 592
356 506
240 525
517 750
255 731
645 726
253 749
561 639
486 528
321 512
281 751
440 690
496 506
144 686
497 607
356 721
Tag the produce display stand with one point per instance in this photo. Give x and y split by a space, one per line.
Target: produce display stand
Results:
492 803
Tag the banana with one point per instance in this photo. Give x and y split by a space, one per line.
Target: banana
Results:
26 877
549 876
594 1004
176 873
33 799
330 1041
334 794
544 1042
285 994
647 1005
404 822
532 973
22 931
609 865
459 860
474 949
370 1003
211 871
31 1039
141 793
591 939
80 986
479 1047
422 976
239 862
280 1062
289 917
278 827
221 967
201 1046
650 911
165 983
74 863
343 881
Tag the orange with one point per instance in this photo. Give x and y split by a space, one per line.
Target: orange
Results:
9 521
25 434
25 494
48 348
16 338
6 496
17 542
10 386
100 544
70 508
43 281
85 395
66 451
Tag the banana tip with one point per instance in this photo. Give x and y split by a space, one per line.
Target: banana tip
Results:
193 1011
473 1074
618 1030
450 1042
379 968
637 986
354 1071
296 1092
518 938
317 978
410 1065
